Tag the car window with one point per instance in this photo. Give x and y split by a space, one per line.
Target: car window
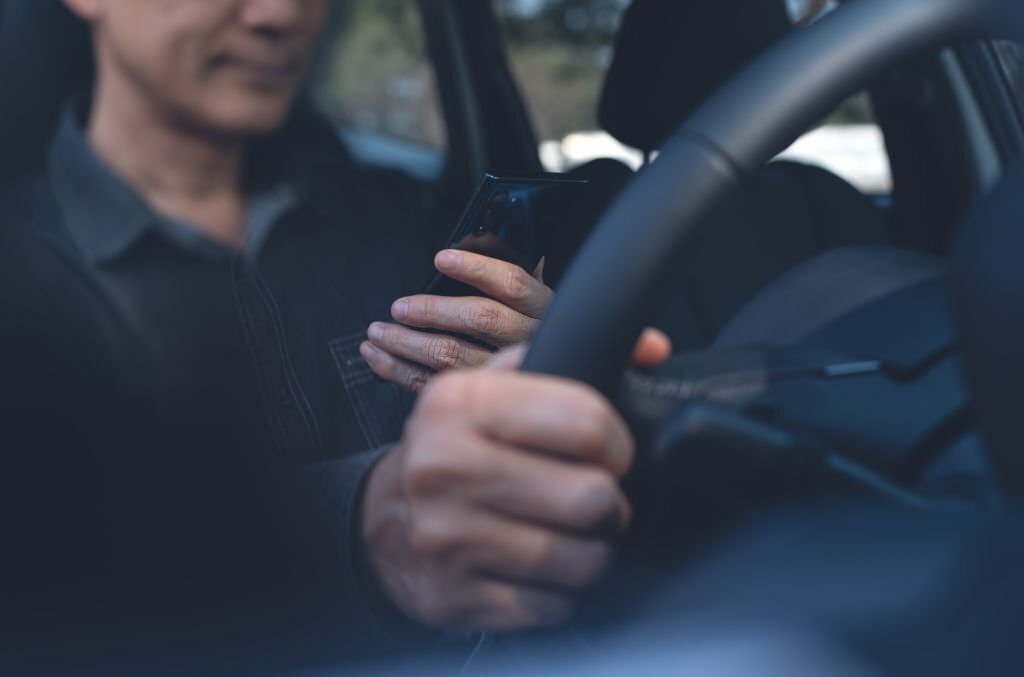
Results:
560 50
1011 55
850 144
376 82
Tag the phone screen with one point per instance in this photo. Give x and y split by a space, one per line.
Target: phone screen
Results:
510 219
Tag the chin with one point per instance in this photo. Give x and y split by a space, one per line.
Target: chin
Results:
254 116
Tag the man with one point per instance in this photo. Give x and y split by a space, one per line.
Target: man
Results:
189 287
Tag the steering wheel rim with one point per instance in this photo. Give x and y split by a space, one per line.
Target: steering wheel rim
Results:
610 291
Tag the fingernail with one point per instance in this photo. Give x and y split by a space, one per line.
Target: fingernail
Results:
400 310
375 332
368 350
449 260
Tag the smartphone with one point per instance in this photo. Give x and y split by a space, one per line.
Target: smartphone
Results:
510 218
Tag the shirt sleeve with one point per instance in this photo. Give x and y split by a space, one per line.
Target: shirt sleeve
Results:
324 500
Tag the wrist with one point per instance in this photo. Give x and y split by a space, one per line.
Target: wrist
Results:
380 533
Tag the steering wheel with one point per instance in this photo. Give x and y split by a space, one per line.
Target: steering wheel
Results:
610 291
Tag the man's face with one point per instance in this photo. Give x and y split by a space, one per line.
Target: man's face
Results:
221 66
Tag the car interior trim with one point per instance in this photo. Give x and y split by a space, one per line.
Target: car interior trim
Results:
984 159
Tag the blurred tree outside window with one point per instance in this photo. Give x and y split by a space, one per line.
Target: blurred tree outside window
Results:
376 76
560 50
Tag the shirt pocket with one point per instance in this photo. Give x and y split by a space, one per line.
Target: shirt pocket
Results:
379 408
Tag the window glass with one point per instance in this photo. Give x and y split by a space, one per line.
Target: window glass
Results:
376 81
560 50
1011 55
850 144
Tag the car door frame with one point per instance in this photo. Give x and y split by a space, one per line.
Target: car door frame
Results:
489 128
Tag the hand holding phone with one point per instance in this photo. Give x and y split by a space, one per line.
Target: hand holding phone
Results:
510 219
484 296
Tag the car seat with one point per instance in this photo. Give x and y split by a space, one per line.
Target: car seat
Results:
44 55
989 294
669 57
824 337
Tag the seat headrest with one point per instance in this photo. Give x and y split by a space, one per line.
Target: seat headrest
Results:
671 55
44 56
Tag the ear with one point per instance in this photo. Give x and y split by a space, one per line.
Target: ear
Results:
86 10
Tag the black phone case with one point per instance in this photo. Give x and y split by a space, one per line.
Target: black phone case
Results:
509 218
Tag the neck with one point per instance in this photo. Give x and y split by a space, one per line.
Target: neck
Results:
179 172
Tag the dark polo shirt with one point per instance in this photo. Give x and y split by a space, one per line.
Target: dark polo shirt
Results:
190 425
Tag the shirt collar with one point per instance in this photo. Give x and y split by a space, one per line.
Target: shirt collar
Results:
106 216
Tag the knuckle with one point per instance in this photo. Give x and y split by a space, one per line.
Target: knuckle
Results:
416 380
475 266
537 561
431 539
593 428
445 394
426 470
518 285
594 499
421 473
443 353
486 319
445 470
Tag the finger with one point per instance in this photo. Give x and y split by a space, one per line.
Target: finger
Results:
652 348
394 370
542 413
509 359
500 280
572 498
584 499
538 272
499 606
479 318
557 416
437 352
535 556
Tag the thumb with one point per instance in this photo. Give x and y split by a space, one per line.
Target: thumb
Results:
509 359
652 348
538 272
